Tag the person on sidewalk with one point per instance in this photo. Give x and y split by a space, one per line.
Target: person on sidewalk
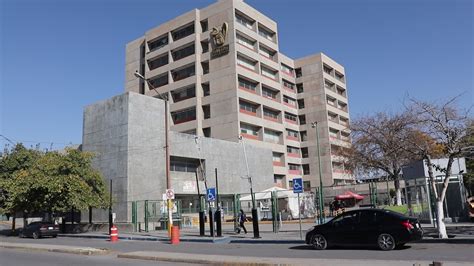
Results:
242 220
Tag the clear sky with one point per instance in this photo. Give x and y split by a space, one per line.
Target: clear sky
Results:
58 56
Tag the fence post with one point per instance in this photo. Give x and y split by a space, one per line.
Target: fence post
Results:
146 215
275 211
134 215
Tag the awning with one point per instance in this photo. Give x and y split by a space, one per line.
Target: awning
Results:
349 195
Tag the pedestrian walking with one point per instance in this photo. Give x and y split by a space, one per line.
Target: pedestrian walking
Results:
242 220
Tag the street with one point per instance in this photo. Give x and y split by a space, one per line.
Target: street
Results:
16 258
412 252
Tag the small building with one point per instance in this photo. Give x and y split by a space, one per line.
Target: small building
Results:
419 191
127 134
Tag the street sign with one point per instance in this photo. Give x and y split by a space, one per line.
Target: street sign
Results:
170 193
211 194
297 185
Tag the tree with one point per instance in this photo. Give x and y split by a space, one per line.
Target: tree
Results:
468 153
56 182
17 159
445 126
378 145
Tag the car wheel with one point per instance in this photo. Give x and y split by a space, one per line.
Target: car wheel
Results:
21 235
36 235
319 242
386 242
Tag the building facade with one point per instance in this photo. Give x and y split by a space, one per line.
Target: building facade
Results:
225 77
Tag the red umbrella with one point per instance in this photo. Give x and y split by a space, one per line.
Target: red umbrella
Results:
349 195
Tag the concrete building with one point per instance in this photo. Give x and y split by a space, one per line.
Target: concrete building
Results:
126 133
225 77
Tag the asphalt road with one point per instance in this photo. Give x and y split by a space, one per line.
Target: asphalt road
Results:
9 257
415 251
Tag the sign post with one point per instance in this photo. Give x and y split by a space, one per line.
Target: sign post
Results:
211 197
298 188
170 197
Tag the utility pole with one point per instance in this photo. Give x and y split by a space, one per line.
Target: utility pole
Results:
256 232
218 210
321 201
167 155
110 207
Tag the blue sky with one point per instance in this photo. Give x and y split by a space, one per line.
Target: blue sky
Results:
57 56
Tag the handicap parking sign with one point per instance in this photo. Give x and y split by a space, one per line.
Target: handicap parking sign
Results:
297 185
211 194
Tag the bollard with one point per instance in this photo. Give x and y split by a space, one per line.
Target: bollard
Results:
113 234
175 235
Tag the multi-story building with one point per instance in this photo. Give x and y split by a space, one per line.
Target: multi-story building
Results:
225 77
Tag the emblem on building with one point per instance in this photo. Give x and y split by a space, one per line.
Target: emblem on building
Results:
219 35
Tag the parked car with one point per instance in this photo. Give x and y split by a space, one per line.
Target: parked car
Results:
40 229
383 228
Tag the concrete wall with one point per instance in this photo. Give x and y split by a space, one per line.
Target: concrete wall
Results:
126 133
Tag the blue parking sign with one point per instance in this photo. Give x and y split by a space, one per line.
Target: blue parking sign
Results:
211 194
297 185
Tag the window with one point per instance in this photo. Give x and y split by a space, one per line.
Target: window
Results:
206 109
245 62
249 129
333 133
183 93
183 32
337 167
339 76
299 88
265 33
204 25
271 136
277 157
293 166
270 113
205 46
306 169
288 85
292 133
246 84
304 152
158 62
298 72
184 115
289 101
269 93
158 43
304 135
301 104
302 119
345 136
341 91
331 101
205 89
342 106
183 164
293 150
268 73
327 70
332 117
288 70
266 52
245 42
246 106
183 73
207 132
344 121
205 67
159 80
244 20
182 52
290 117
328 85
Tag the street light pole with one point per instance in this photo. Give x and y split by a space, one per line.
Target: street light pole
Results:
167 155
256 231
321 201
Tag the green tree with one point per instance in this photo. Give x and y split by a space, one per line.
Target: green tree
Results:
56 182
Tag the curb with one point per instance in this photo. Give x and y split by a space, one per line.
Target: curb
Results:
51 248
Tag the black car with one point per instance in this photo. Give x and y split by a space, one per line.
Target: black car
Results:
383 228
40 229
